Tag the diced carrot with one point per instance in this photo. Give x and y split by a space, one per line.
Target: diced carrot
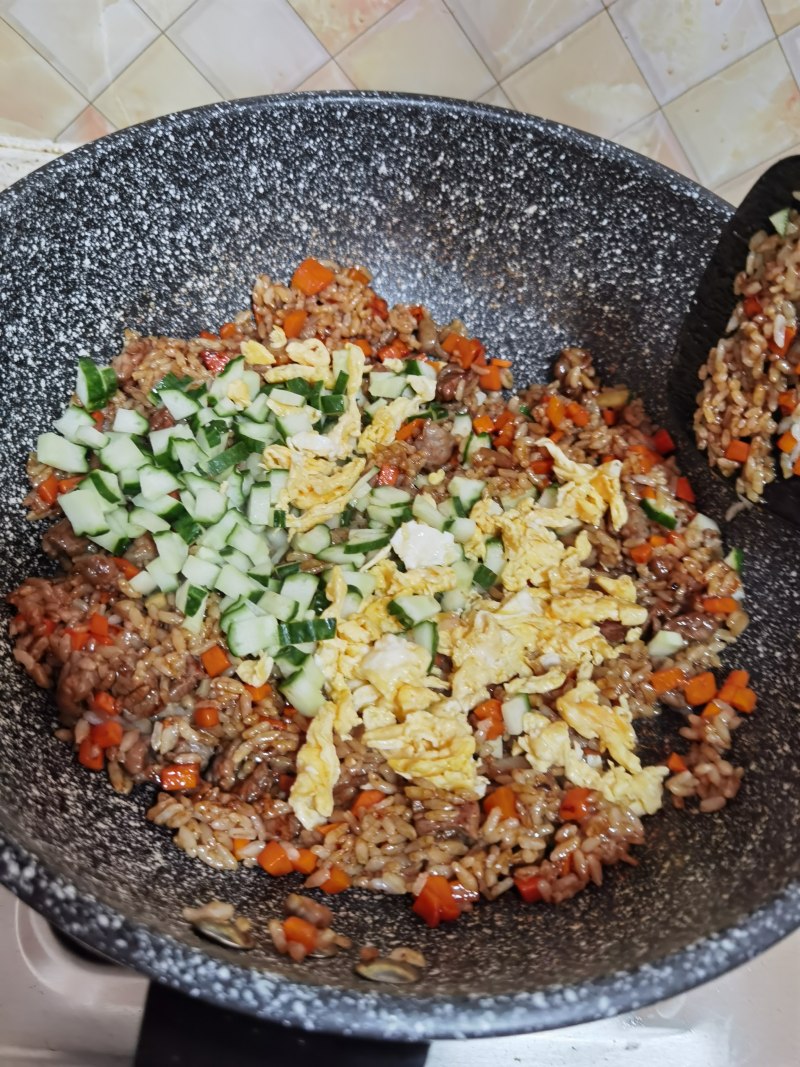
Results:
565 867
364 345
409 429
657 541
555 411
417 311
208 336
98 625
98 418
327 827
337 881
379 307
528 887
578 414
662 442
450 342
556 436
541 466
311 277
301 932
609 417
215 661
575 804
436 901
700 689
789 334
388 474
743 700
77 638
738 451
647 492
503 419
483 424
787 442
787 401
105 703
366 799
505 437
491 382
712 709
641 553
90 755
503 363
66 485
129 570
206 716
736 680
644 458
306 861
294 322
229 331
668 678
492 710
751 306
468 351
238 845
178 777
215 361
259 692
274 860
676 763
684 491
358 275
106 734
502 798
720 605
796 467
48 490
397 349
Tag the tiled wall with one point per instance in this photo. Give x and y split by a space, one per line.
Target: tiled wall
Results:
709 87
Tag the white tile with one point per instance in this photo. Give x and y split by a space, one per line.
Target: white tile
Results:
496 97
588 80
791 47
784 14
680 43
338 22
164 12
738 118
331 76
159 81
35 101
90 42
88 126
404 52
653 137
735 190
509 33
248 47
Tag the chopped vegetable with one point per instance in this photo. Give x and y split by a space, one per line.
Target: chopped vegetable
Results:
743 700
305 862
294 322
789 334
492 710
311 277
436 902
206 716
575 804
483 424
274 860
364 345
300 931
129 570
214 361
578 414
641 553
700 689
676 763
366 799
90 755
780 221
735 680
98 625
105 703
737 451
48 490
215 661
396 350
663 443
555 411
178 777
409 429
388 474
259 692
787 442
644 459
720 605
528 887
502 798
684 491
106 734
337 881
667 679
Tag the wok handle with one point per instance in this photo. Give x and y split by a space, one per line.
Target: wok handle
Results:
179 1031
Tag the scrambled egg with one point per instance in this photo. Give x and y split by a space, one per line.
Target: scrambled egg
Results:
419 545
257 354
386 422
311 796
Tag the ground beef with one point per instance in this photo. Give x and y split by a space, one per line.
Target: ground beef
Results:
136 758
160 419
98 569
435 444
614 632
694 626
141 551
256 784
61 543
448 382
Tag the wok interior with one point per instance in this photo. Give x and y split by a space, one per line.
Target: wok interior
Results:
536 238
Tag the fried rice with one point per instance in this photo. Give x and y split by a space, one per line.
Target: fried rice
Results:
224 751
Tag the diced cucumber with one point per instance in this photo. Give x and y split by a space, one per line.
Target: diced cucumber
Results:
390 517
280 606
155 482
735 559
180 405
165 578
85 510
303 689
259 505
514 709
362 581
388 496
106 484
126 420
227 459
424 510
201 572
413 609
614 398
166 506
462 426
476 442
364 541
780 221
258 411
462 529
192 601
465 572
467 491
251 636
454 599
148 520
549 497
332 405
253 545
122 453
309 630
161 440
290 397
60 453
256 435
143 583
188 528
665 643
234 489
426 634
385 384
289 660
494 556
702 522
660 513
209 506
420 367
313 540
301 588
95 386
216 536
72 421
289 425
172 550
233 582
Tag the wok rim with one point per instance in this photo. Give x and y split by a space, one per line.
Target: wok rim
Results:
374 1014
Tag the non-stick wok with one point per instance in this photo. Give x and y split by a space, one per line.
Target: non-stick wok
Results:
537 236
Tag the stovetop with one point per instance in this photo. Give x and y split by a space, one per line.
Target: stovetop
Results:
65 1009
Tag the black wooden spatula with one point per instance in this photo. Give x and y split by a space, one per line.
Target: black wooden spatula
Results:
714 301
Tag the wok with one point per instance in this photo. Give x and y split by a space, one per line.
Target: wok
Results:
537 236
